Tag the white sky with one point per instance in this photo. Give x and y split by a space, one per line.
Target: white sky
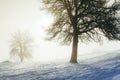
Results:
25 15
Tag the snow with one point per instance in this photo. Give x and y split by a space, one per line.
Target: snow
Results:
105 66
117 77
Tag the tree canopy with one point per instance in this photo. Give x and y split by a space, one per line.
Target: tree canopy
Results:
92 18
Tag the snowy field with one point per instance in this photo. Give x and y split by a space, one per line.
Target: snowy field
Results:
105 66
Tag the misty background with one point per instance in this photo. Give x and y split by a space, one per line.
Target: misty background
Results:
27 16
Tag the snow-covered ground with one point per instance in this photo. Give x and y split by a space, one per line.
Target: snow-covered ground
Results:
105 66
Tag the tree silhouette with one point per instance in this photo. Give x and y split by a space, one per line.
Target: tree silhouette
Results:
21 44
82 20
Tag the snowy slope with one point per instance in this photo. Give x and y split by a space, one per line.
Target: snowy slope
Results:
100 67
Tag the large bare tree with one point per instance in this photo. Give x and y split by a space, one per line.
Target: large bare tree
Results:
82 20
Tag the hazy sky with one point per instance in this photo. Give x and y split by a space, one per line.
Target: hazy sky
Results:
25 15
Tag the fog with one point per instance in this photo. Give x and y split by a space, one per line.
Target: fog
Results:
26 16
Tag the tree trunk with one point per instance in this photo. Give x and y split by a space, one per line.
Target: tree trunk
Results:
21 59
74 49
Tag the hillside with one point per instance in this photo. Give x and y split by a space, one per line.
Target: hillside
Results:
101 67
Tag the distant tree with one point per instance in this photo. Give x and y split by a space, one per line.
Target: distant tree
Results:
83 20
21 45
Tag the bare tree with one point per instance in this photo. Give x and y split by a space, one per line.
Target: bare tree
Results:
21 45
82 20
